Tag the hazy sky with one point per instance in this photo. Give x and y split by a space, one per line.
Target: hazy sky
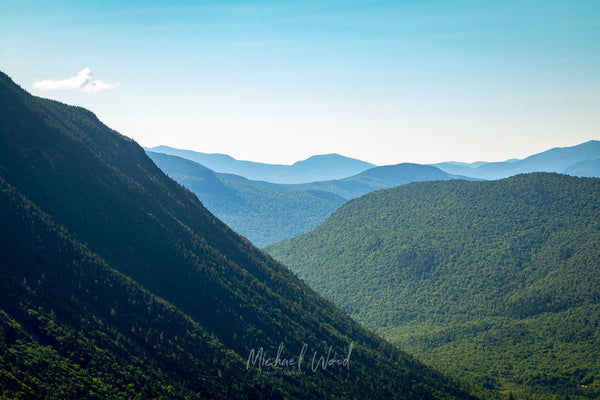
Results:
277 81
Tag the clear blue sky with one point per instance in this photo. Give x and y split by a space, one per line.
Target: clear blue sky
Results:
277 81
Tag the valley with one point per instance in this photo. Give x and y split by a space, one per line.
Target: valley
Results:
117 280
312 200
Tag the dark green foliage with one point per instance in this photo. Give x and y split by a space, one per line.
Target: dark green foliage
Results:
80 320
115 282
497 282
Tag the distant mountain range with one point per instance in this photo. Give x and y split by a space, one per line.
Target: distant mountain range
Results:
496 282
265 212
116 283
582 160
315 168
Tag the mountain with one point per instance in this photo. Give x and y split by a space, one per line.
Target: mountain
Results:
115 282
315 168
456 167
336 167
263 212
560 159
588 168
267 213
377 178
497 282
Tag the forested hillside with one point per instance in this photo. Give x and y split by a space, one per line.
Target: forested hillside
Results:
115 282
497 282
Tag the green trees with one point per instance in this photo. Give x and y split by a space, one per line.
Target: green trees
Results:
490 280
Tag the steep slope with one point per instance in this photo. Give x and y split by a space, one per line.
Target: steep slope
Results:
204 182
559 159
117 283
316 168
495 281
264 213
379 178
67 317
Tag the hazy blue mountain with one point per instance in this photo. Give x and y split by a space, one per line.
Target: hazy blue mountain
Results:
589 168
263 212
461 168
315 168
378 178
116 283
497 282
558 159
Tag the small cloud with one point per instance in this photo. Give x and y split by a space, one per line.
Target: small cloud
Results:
83 81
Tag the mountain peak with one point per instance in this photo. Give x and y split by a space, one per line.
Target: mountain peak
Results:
330 157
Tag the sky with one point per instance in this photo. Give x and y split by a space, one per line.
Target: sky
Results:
279 81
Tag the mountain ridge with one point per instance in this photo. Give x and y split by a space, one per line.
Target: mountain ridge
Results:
558 159
328 166
383 177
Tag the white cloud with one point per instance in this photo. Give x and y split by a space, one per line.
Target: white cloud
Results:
83 81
